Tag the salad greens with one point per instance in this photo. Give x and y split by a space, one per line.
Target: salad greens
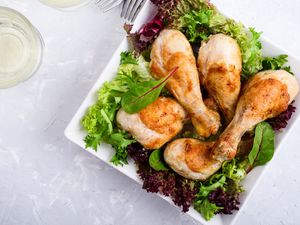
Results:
263 145
206 208
228 179
199 25
99 121
276 63
128 58
142 94
156 161
233 172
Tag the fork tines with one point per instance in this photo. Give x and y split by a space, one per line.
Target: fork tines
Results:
106 5
131 8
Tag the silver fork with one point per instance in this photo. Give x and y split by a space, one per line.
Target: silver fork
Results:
107 5
131 8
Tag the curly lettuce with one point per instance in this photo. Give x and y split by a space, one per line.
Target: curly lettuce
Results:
276 63
99 121
228 179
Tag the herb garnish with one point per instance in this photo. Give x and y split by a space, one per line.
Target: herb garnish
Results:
140 95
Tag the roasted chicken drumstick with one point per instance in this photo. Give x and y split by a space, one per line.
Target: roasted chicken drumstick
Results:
156 124
220 66
191 158
171 49
266 95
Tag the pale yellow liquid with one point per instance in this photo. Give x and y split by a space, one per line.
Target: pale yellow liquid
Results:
20 48
12 53
64 3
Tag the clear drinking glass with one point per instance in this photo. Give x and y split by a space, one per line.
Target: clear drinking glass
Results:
65 4
21 48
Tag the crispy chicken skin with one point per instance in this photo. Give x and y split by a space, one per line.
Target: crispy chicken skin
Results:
171 49
156 124
265 95
191 158
220 66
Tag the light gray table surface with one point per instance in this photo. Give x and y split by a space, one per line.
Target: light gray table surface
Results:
47 180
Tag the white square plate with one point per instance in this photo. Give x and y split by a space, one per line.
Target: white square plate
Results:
76 134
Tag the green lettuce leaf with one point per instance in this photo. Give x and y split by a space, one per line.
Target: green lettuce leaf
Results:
156 161
201 204
263 145
228 178
208 209
142 69
234 171
276 63
138 72
119 141
128 58
99 121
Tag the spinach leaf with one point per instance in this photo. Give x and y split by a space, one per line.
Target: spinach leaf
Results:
140 95
156 160
263 145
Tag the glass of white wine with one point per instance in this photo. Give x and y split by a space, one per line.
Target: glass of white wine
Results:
66 4
21 48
